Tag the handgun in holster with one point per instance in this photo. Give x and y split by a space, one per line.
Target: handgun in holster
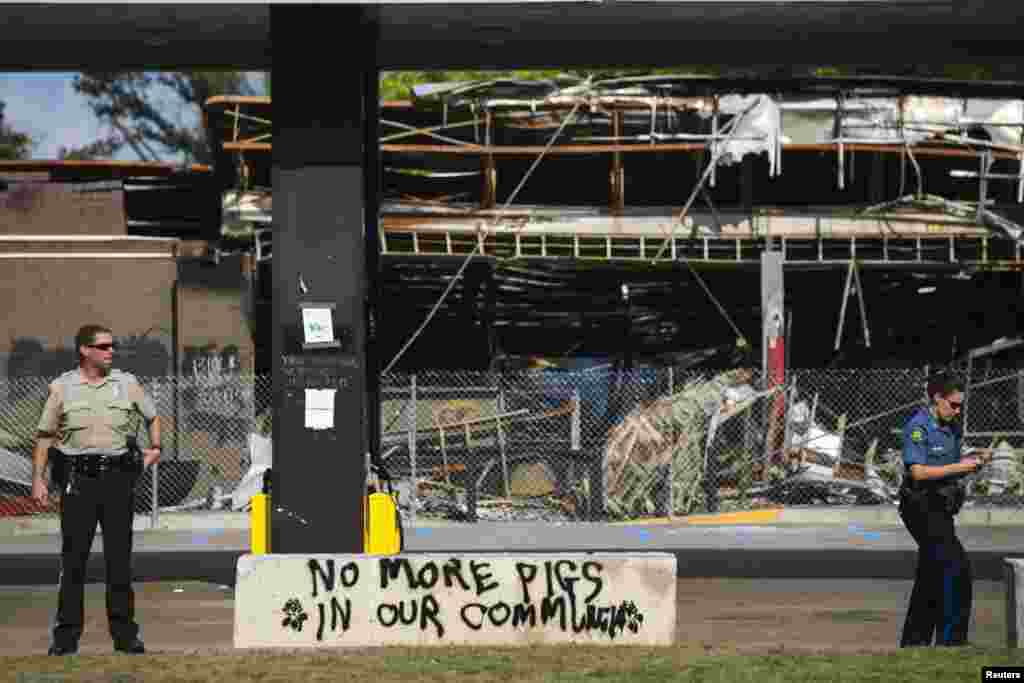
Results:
58 467
132 461
949 495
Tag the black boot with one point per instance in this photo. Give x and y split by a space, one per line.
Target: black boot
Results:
132 647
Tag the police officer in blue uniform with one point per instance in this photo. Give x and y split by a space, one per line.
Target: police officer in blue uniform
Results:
932 493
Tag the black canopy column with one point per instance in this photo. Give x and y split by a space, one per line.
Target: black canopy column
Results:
325 217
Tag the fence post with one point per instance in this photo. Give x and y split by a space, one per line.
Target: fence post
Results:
966 430
575 434
411 416
1020 397
787 438
842 439
154 513
671 474
501 441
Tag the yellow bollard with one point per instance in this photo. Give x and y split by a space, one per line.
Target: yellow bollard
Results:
382 526
259 528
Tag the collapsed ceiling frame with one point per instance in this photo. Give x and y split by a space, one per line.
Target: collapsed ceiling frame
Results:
909 134
446 232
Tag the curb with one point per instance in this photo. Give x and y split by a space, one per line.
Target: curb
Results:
810 516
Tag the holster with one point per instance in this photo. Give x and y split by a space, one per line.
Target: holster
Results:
58 467
134 461
947 495
952 495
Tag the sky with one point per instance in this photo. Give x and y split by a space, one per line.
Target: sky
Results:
46 106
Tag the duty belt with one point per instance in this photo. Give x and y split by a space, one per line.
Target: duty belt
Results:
948 494
93 464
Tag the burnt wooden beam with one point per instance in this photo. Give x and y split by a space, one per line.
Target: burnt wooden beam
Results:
876 185
489 172
747 185
489 315
618 177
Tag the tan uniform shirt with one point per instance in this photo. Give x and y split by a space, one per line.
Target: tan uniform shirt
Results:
87 418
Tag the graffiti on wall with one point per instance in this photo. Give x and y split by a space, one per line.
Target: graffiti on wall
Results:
438 597
214 397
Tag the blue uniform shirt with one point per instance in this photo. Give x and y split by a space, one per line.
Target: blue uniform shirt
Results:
926 441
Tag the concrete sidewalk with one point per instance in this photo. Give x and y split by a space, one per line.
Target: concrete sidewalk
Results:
878 516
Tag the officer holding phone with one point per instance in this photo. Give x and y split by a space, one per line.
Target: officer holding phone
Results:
931 495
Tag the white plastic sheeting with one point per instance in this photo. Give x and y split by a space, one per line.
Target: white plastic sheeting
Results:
261 459
771 123
877 119
763 121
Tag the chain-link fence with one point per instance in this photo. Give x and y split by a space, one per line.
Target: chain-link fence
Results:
208 426
563 446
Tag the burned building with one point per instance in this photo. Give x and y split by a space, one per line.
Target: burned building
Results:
626 219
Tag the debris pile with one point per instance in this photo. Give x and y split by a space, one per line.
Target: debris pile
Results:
440 500
667 439
816 460
1002 480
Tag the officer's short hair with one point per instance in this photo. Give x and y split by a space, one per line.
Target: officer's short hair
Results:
943 384
87 335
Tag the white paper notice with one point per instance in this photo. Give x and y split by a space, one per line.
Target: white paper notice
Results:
317 325
320 408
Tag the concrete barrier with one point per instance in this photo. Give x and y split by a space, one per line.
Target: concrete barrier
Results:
294 601
1014 595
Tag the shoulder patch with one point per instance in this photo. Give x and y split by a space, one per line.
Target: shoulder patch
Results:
68 378
917 436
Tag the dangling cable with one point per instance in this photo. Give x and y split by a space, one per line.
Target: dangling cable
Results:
469 257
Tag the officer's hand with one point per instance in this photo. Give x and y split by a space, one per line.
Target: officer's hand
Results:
150 456
40 494
973 463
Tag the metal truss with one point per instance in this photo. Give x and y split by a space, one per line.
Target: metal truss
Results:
953 251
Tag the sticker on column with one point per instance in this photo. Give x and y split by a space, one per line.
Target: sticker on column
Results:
320 408
317 326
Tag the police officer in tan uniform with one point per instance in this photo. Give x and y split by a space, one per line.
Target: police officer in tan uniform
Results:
91 415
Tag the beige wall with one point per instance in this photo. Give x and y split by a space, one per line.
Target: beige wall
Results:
46 296
41 208
49 299
211 308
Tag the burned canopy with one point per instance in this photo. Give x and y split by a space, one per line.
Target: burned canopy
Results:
626 217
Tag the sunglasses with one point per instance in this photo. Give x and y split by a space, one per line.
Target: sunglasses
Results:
103 347
955 405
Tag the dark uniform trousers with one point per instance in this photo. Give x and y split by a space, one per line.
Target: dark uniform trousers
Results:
940 602
108 499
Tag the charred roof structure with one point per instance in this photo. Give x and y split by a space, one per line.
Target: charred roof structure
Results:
627 218
160 199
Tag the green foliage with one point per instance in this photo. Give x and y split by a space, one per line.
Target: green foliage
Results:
14 145
133 104
396 85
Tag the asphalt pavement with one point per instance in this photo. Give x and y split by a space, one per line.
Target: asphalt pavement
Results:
205 547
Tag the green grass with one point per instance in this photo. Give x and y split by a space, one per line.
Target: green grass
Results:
640 665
